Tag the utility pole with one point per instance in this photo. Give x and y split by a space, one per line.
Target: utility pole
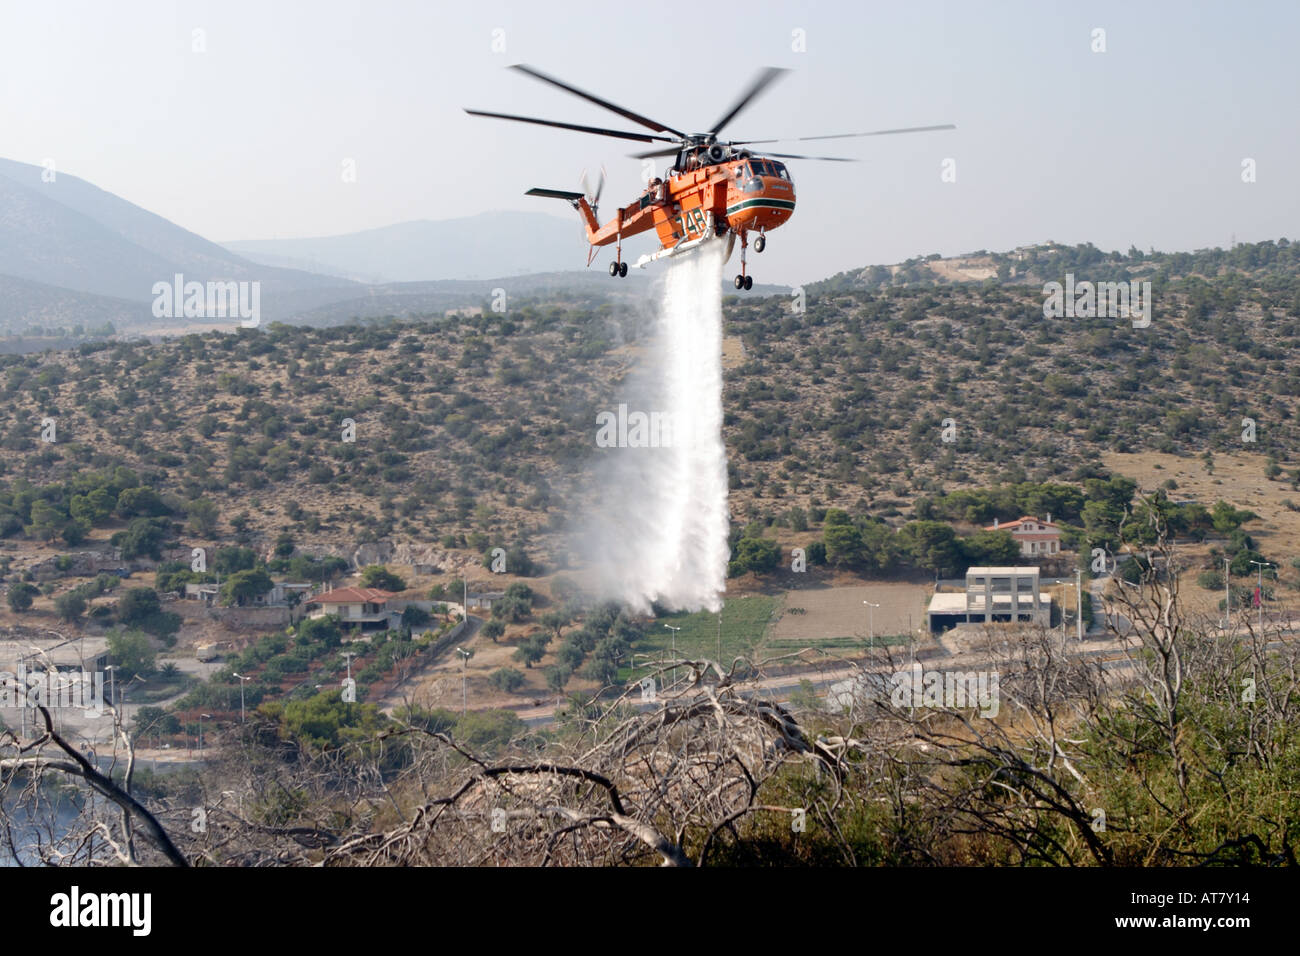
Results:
1064 585
1227 595
112 697
22 690
1078 590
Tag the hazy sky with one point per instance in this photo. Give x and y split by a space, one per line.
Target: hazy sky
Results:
1141 144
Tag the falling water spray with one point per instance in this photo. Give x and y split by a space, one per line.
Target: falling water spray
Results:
657 529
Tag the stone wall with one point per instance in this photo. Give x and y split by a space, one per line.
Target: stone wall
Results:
254 618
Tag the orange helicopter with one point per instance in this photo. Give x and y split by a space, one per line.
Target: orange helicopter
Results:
714 188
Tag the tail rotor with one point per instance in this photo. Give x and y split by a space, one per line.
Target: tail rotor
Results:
593 196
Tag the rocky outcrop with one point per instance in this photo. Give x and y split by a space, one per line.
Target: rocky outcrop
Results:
425 559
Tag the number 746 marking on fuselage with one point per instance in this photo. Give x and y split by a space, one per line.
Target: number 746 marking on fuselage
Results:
692 220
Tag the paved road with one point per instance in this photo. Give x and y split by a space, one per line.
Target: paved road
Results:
1098 644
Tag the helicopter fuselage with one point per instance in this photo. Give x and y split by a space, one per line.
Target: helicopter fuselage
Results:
741 195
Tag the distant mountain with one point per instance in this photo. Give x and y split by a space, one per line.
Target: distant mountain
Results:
476 247
73 255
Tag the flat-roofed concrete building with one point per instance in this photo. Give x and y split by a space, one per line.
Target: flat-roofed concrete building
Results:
992 594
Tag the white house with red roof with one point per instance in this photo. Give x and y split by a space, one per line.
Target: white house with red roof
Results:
353 605
1036 536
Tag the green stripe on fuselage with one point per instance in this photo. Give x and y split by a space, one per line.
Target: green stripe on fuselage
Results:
764 203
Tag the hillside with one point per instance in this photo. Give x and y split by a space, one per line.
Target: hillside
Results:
864 381
479 428
1049 261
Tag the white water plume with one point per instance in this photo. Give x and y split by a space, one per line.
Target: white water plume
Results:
657 528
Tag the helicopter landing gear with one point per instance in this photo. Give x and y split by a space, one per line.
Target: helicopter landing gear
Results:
744 281
760 243
618 267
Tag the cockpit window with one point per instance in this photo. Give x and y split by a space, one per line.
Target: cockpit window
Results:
762 167
778 169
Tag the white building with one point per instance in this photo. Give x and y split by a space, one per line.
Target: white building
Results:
992 594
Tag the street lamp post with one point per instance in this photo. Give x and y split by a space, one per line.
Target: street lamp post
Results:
126 687
674 630
201 717
464 676
871 620
241 696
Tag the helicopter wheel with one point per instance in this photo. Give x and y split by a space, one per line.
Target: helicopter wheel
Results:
740 282
749 283
760 243
622 270
613 268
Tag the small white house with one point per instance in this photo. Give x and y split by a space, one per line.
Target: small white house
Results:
484 600
1036 536
353 605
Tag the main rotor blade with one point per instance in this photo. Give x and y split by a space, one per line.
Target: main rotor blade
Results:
591 98
878 132
765 78
829 159
597 130
654 153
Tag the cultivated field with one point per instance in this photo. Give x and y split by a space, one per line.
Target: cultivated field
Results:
837 617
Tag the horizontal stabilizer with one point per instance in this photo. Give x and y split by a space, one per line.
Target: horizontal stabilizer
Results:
554 194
